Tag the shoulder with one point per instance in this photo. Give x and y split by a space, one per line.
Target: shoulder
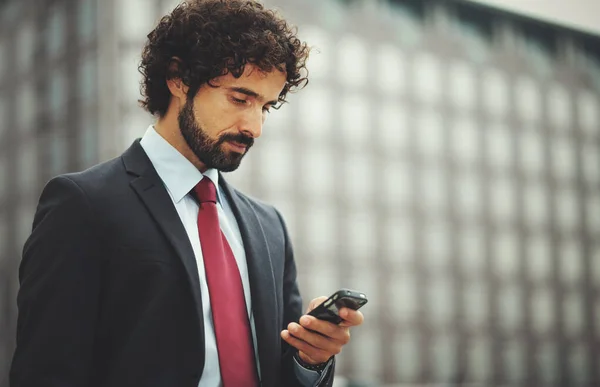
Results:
93 183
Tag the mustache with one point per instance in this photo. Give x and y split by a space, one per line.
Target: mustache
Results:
238 137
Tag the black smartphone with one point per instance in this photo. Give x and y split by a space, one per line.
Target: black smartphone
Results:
344 298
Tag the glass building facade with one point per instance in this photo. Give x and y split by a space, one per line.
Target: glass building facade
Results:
444 159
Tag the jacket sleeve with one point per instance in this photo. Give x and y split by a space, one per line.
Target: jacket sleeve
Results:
292 312
59 290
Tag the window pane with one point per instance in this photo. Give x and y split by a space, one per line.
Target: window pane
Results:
463 85
27 164
563 159
88 80
320 57
496 92
559 107
404 309
434 193
507 258
547 362
532 152
476 304
514 361
89 139
567 209
358 176
542 312
504 199
589 112
444 357
315 108
539 258
427 77
277 166
393 127
390 69
27 107
56 31
591 163
130 77
317 172
578 365
407 353
57 93
362 238
430 132
441 302
593 215
465 140
321 229
436 240
469 196
355 121
499 147
135 18
571 261
353 53
573 314
479 355
86 19
536 205
25 46
395 184
529 99
58 154
472 250
510 315
369 345
399 239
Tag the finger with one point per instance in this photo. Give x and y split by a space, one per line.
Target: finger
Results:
316 354
351 317
335 332
315 339
315 302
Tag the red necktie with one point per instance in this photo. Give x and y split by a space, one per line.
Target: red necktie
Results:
230 318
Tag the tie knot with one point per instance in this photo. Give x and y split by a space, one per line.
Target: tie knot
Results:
205 191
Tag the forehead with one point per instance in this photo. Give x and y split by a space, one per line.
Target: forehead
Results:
268 84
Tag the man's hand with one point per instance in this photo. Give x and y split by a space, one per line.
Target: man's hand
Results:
316 340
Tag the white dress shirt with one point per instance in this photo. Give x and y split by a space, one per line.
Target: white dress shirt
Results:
180 176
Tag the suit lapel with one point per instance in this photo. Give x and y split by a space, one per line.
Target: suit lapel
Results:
262 283
150 189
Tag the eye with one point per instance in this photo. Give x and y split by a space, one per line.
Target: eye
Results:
239 101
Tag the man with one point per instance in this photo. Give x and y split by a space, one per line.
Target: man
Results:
151 270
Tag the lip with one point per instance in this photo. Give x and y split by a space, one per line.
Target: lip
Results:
240 148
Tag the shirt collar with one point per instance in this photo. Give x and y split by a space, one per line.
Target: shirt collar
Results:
178 174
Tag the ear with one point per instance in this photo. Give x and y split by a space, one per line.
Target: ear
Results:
176 86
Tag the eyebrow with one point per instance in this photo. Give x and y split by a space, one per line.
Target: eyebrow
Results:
251 93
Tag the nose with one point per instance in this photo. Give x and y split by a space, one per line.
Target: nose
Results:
252 124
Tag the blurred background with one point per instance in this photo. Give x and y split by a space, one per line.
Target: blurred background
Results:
444 159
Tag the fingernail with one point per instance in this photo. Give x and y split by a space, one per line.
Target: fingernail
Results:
344 313
294 329
304 321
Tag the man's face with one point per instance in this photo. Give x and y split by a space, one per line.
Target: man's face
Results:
220 123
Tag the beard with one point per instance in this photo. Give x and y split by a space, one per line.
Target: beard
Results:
210 151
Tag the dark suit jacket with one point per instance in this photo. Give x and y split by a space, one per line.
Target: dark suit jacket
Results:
109 290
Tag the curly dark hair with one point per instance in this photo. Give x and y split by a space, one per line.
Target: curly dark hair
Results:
211 38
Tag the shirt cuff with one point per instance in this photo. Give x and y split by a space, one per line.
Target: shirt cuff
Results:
310 378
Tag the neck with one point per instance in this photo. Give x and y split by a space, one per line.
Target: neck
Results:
168 128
